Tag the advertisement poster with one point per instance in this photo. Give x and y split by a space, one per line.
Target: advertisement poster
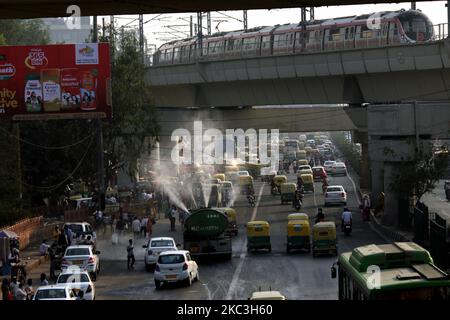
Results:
55 81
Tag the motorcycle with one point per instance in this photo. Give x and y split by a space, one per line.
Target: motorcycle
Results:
297 204
347 229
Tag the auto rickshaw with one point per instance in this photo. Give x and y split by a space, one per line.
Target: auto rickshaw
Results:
246 184
300 155
232 220
308 182
219 176
287 192
279 180
303 162
258 236
298 235
324 238
308 151
298 216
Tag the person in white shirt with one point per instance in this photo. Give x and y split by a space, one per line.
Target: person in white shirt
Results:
43 248
136 227
346 217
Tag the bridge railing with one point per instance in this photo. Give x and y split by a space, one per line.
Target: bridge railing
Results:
440 31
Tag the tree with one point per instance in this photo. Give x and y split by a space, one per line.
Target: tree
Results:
133 129
415 178
14 32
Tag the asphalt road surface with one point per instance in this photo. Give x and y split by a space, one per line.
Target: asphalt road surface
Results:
296 275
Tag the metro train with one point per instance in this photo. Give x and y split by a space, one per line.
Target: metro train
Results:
353 32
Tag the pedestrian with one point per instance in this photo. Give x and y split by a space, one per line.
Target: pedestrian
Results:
52 256
5 289
56 233
80 295
20 293
29 289
149 226
130 255
120 226
44 281
62 240
69 234
172 217
136 227
43 248
144 226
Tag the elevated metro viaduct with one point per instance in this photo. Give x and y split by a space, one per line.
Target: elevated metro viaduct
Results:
27 9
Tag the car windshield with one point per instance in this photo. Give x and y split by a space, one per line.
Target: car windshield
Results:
77 252
161 243
76 228
334 189
328 163
76 277
171 258
51 294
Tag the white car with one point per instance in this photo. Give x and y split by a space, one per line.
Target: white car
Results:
335 194
243 173
54 292
339 168
76 280
154 247
175 266
83 257
81 231
328 166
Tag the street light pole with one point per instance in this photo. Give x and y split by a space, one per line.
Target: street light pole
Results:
98 124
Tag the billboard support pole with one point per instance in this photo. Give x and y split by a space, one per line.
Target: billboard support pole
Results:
100 160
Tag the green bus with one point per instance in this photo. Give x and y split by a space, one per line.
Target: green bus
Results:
399 271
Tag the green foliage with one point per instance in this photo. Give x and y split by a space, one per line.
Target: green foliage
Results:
419 177
130 133
353 158
23 32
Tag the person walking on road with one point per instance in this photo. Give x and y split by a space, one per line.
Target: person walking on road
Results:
136 227
52 256
44 281
144 227
149 227
130 255
56 233
29 289
172 217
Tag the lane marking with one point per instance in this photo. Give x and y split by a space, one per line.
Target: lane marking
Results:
238 270
354 188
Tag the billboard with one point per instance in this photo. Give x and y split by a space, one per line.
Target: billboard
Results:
55 81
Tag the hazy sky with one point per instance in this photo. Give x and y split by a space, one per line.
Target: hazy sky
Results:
157 30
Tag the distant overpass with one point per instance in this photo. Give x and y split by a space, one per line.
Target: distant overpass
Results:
375 75
26 9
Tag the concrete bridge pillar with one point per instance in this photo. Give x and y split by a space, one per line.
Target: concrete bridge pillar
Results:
377 180
391 208
364 172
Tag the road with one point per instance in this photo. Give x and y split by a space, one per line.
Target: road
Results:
296 275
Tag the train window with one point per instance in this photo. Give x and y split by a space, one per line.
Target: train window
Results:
298 38
334 35
229 45
176 54
291 39
265 42
365 32
249 43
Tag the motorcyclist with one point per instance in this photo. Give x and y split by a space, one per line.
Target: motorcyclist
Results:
273 187
299 183
346 218
320 216
251 197
298 199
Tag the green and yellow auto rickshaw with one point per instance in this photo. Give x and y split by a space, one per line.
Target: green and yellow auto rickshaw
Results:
298 235
258 236
308 182
245 184
220 176
300 154
287 192
278 180
324 238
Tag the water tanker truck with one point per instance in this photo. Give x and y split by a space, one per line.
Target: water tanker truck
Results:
204 233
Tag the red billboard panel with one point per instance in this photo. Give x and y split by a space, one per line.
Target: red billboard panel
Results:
55 81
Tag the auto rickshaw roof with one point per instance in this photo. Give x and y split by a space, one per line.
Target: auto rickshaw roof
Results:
254 223
298 221
298 216
325 225
306 175
280 177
